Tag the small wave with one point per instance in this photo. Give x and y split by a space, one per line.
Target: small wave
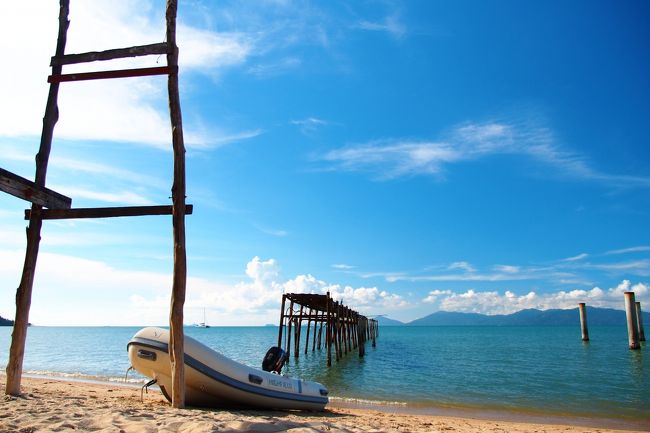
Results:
366 402
85 377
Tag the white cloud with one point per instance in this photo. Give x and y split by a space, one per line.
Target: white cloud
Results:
389 159
495 302
508 269
123 197
310 125
576 258
562 272
305 284
487 302
495 276
106 109
275 68
635 267
464 266
204 50
62 297
96 168
395 159
271 231
264 289
366 299
629 250
392 24
343 266
434 294
260 270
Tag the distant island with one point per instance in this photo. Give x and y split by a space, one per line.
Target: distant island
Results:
6 322
530 317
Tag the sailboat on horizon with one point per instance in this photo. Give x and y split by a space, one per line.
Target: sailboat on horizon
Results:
203 324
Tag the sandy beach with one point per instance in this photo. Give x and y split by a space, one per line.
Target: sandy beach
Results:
54 405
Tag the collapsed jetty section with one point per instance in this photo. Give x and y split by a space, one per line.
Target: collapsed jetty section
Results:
345 329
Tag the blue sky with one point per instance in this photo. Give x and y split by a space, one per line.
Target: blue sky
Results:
409 157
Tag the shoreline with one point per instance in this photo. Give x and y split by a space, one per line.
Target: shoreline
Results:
98 398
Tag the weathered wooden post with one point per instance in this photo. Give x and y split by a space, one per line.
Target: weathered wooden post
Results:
360 331
308 328
639 321
346 330
298 331
176 339
355 330
319 324
316 319
24 292
337 339
583 321
630 313
351 329
284 298
289 323
328 333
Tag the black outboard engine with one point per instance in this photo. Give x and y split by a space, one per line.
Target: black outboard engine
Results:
274 360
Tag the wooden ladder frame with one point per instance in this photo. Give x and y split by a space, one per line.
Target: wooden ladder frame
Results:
59 206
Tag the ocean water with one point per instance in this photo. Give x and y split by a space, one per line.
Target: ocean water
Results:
530 370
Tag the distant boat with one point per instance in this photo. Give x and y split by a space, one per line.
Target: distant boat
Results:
203 324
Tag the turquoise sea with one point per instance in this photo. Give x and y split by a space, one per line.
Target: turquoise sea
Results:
523 370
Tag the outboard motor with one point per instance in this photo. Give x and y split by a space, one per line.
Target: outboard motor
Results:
274 360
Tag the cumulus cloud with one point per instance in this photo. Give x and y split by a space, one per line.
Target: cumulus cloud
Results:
142 297
262 292
487 302
495 302
434 294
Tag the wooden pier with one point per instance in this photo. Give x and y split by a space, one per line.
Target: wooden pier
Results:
345 329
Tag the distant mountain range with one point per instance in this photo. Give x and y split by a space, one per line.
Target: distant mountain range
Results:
530 317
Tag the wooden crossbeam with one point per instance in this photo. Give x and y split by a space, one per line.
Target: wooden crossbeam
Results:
106 212
27 190
119 53
120 73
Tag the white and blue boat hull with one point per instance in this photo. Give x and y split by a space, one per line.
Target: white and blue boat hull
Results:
214 380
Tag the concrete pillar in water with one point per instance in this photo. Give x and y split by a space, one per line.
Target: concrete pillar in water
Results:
632 326
639 321
583 321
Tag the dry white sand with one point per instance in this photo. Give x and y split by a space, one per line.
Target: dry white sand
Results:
59 406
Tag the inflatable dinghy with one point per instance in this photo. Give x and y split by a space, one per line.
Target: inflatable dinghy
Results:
214 380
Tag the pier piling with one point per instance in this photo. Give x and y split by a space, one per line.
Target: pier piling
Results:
632 324
639 321
583 321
